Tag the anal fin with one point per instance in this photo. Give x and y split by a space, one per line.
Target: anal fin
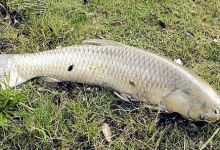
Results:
124 96
52 80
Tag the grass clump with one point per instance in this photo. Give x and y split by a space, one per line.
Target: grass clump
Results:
70 116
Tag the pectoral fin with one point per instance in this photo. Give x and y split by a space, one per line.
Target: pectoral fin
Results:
100 42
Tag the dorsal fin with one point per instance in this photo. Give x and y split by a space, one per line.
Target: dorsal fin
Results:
100 42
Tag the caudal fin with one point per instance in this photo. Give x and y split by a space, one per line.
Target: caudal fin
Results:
4 59
4 69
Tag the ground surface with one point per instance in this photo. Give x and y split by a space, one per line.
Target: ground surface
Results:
70 116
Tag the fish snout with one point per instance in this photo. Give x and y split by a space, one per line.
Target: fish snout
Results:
212 115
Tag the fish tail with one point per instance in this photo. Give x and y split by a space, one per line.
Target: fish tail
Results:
4 71
4 59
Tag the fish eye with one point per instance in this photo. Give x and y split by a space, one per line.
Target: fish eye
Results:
217 111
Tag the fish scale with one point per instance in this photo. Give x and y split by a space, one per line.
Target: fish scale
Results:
132 72
89 53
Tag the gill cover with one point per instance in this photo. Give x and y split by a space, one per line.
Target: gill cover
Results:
179 102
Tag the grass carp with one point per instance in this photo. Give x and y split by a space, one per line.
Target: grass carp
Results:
134 73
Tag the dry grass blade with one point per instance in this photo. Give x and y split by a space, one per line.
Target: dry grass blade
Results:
210 139
188 33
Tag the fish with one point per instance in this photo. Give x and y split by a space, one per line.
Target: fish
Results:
134 74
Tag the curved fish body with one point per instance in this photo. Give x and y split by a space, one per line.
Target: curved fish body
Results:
134 73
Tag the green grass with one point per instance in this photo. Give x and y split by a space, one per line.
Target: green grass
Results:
35 118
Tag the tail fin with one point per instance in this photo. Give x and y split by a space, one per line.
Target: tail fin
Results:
4 69
4 59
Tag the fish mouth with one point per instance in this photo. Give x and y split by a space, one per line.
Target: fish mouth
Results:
212 117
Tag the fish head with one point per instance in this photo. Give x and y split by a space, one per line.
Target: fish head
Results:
205 102
197 102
